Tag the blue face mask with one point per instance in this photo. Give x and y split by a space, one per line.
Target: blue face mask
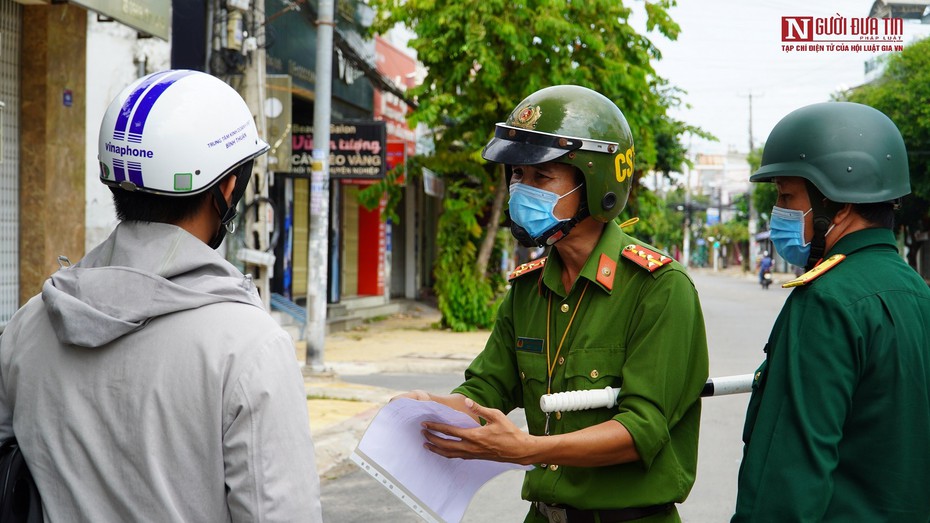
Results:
531 208
787 234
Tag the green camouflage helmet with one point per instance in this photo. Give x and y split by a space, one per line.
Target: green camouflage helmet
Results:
851 152
577 126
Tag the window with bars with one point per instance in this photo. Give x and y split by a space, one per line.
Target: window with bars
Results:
10 29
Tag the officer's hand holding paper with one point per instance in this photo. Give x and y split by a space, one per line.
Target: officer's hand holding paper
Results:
437 488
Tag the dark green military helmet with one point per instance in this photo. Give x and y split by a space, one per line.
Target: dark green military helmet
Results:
574 125
851 152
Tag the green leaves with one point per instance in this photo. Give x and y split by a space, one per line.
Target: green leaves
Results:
483 57
902 93
465 297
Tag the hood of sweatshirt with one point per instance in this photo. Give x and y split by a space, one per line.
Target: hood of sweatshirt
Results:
142 271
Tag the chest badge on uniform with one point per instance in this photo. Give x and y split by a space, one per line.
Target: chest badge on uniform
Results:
816 272
534 345
645 258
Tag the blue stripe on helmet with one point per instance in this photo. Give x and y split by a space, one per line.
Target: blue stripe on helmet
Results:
148 101
135 173
126 110
119 173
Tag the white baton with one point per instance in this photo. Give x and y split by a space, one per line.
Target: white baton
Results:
607 397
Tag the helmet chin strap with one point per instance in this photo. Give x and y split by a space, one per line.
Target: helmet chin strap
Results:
550 236
823 219
560 231
229 211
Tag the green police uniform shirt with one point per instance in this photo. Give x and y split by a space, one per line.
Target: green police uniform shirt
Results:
838 424
642 332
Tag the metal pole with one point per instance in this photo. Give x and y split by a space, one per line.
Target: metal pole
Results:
256 223
686 248
686 240
317 256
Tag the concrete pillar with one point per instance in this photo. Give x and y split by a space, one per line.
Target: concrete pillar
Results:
52 148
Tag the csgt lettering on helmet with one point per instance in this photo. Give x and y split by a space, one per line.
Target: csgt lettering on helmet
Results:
623 163
124 150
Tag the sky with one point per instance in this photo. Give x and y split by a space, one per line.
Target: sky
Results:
730 49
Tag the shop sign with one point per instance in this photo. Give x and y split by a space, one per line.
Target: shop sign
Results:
432 184
356 150
146 16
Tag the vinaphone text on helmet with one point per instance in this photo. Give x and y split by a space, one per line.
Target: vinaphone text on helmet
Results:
124 150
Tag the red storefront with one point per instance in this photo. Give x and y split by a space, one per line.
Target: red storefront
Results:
370 252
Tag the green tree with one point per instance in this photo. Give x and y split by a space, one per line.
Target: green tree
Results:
902 93
733 235
763 194
661 221
482 58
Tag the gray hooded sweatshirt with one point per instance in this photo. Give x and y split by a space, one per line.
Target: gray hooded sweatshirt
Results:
147 383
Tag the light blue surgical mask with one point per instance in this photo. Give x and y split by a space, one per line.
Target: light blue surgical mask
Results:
531 208
787 234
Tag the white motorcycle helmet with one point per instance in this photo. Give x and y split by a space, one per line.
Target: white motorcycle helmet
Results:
178 133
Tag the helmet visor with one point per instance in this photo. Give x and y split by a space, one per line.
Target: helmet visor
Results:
515 146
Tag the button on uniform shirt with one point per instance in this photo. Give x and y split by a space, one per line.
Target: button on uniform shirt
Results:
838 424
636 330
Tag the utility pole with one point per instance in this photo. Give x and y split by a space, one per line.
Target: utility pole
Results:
258 261
686 248
751 142
752 225
318 252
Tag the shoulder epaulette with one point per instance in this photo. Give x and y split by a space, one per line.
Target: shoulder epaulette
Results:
645 258
816 272
527 267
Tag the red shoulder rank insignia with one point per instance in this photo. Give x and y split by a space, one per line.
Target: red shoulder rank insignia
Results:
816 272
527 267
645 258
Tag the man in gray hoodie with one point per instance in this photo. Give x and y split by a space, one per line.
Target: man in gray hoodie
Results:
147 382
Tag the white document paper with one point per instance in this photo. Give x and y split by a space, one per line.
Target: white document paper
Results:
437 488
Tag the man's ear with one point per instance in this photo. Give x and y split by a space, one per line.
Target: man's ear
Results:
842 211
227 185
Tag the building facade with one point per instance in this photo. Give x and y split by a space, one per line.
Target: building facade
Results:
61 64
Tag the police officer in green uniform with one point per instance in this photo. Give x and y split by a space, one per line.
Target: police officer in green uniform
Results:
602 310
838 424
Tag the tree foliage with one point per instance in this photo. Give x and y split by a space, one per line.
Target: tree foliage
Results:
463 298
764 195
662 222
902 93
483 57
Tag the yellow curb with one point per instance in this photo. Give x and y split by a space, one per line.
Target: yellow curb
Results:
328 412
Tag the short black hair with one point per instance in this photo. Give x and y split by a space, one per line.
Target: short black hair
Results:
147 207
878 214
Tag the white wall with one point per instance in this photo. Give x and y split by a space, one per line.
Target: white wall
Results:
114 56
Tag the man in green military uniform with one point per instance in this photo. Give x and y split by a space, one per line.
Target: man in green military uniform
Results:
602 310
838 423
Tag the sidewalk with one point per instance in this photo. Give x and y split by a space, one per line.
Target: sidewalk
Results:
404 343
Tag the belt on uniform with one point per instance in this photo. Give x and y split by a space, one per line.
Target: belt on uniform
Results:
566 514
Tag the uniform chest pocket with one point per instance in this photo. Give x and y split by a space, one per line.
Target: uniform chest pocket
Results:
594 368
532 367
